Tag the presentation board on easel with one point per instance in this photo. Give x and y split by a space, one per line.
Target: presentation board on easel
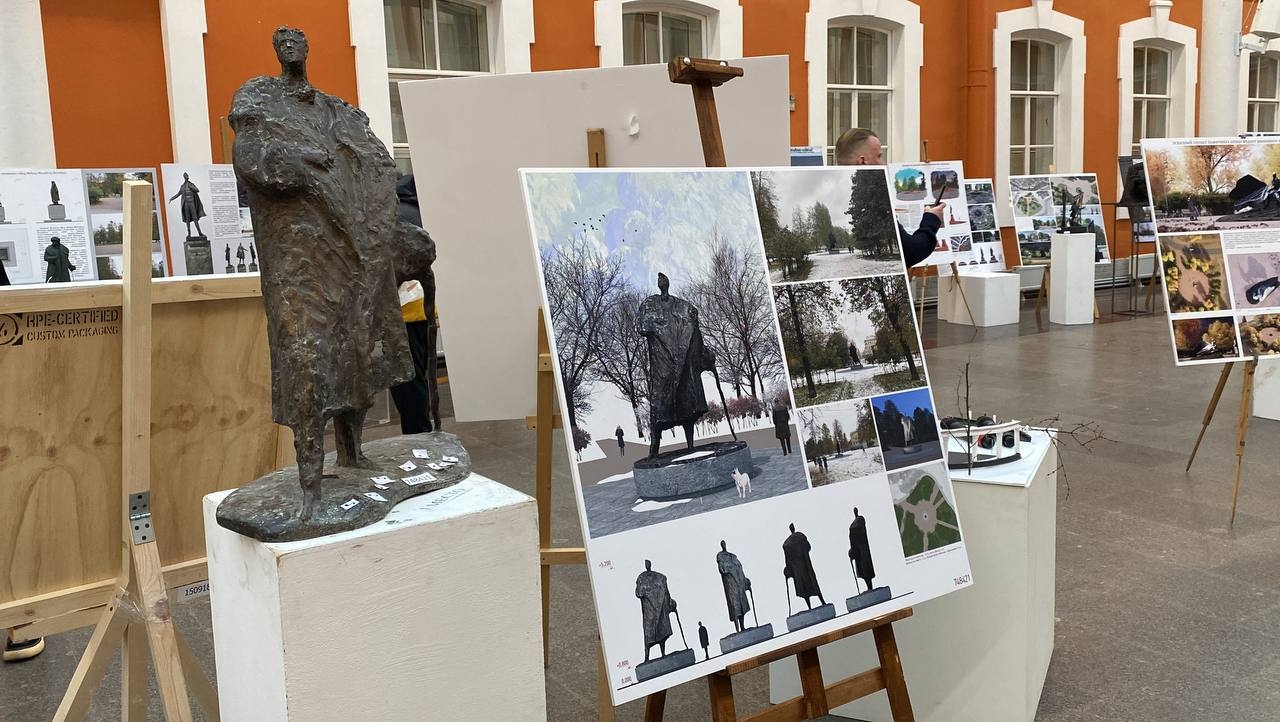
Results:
815 498
468 187
915 186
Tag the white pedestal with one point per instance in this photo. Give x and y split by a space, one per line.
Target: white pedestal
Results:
1266 390
979 654
433 612
1071 280
993 298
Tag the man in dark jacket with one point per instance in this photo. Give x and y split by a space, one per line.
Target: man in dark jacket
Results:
859 146
782 425
418 400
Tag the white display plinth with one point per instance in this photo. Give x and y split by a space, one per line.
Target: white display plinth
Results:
979 654
1266 390
1071 279
433 613
992 295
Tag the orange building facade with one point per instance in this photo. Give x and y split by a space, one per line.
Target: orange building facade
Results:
1007 86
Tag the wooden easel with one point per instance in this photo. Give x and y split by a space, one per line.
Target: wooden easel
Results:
818 698
1242 425
138 617
957 285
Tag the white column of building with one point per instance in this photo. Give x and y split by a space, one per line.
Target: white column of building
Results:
182 26
1220 69
26 120
368 37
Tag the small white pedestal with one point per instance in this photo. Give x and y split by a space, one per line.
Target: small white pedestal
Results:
432 613
1266 390
979 654
1071 280
992 295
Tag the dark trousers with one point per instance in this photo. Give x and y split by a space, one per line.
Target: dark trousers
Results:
413 398
786 444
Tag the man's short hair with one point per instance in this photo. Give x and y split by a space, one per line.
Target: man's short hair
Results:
849 144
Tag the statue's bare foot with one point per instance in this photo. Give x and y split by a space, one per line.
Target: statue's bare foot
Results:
357 461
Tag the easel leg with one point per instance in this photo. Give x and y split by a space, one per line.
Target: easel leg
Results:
655 706
88 674
1151 288
720 689
891 666
955 279
153 605
203 690
604 703
1208 412
542 474
133 674
923 280
815 691
1242 429
1043 295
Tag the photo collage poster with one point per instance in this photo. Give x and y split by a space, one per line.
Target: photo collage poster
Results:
210 228
104 187
1216 204
988 251
1039 203
37 206
797 482
916 185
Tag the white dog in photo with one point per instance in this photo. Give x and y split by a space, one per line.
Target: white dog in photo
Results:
742 481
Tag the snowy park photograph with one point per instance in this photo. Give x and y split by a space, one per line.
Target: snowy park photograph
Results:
840 442
849 339
665 343
820 223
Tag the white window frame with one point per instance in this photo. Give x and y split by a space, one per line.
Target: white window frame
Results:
1144 97
1040 22
721 29
1184 61
1251 99
888 89
901 19
665 11
1027 146
510 27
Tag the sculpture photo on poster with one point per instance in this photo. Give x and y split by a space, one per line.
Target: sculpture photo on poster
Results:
1216 205
1044 205
210 228
709 539
916 185
988 251
43 221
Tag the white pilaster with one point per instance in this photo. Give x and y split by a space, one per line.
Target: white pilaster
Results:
182 26
26 119
1222 99
369 40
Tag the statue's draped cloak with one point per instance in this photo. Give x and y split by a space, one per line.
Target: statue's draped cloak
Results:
677 358
322 190
799 568
656 606
860 550
58 260
192 207
735 584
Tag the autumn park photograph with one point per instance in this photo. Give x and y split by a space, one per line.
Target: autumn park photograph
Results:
1207 186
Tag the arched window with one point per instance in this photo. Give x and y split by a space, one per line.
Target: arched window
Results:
657 36
1264 93
1033 106
1152 93
859 88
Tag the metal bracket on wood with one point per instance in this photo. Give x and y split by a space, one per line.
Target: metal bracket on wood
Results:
140 518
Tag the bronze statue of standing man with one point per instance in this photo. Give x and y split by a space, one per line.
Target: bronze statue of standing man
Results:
321 188
677 358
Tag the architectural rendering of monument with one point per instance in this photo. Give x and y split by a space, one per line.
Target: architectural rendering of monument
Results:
804 581
321 188
739 600
656 608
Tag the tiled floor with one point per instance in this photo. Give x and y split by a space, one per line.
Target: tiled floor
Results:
1165 613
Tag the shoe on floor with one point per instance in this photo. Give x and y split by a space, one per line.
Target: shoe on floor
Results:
18 651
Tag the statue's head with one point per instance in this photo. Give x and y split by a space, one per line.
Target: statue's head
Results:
648 565
290 44
664 283
792 527
55 241
723 548
855 512
186 177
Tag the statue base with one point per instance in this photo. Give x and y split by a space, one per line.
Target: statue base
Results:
684 473
198 256
229 269
253 268
665 664
267 509
240 268
879 595
810 617
57 212
746 638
